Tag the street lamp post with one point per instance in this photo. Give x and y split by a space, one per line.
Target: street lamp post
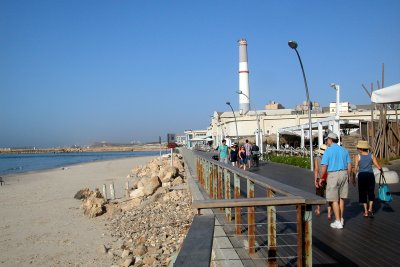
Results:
336 87
293 45
237 134
259 135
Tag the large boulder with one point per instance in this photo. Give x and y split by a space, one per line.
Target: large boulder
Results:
151 185
134 182
131 204
177 181
167 173
137 193
94 205
153 167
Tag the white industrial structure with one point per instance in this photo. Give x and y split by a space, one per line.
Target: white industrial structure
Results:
244 96
283 121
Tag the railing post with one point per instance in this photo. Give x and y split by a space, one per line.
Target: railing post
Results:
215 179
238 219
308 235
227 180
271 219
220 190
207 176
304 235
251 220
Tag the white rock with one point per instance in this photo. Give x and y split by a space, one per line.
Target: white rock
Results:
137 193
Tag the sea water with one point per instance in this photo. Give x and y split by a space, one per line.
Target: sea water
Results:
19 163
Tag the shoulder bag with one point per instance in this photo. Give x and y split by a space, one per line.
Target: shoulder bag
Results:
384 193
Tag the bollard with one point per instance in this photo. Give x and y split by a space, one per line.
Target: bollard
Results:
112 191
127 189
105 192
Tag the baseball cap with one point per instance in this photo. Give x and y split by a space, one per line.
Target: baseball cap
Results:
332 136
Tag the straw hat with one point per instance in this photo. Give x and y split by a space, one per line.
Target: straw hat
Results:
362 144
322 149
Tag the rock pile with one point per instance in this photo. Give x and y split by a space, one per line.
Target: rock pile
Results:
150 234
150 226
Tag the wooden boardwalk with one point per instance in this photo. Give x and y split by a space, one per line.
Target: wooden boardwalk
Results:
363 241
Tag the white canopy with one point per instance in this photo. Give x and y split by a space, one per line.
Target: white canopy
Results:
387 95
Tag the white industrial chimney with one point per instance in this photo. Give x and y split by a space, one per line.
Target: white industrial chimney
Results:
244 91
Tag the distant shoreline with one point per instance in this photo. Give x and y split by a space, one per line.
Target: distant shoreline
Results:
151 147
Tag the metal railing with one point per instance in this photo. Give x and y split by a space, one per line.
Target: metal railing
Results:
270 220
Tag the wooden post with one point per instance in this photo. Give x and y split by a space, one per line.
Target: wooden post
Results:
238 219
251 219
219 187
127 189
271 219
112 191
304 235
299 220
105 192
228 211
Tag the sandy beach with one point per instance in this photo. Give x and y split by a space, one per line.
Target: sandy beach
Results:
41 223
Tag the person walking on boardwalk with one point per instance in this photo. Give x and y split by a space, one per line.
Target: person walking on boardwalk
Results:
223 152
366 178
233 155
320 180
247 147
336 161
242 157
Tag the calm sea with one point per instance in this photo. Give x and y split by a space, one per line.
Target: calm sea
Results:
18 163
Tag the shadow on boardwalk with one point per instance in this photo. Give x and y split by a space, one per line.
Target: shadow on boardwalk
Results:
363 241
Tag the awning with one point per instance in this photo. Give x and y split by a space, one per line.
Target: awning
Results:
387 95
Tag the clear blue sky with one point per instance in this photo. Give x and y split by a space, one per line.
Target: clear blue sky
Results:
76 72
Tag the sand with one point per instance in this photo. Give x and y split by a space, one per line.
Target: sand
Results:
41 223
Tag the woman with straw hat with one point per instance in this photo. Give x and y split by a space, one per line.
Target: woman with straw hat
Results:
320 180
366 178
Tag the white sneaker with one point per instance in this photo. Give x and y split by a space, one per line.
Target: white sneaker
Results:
337 225
342 221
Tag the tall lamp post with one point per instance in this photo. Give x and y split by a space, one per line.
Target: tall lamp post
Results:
336 87
237 134
259 135
292 44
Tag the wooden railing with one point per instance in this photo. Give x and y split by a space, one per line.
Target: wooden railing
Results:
230 188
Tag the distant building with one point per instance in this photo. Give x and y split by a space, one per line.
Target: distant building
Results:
181 139
196 137
343 107
273 105
315 106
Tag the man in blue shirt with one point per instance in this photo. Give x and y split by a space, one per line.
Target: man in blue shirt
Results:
223 152
336 161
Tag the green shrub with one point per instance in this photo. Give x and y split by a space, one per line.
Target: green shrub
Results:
291 160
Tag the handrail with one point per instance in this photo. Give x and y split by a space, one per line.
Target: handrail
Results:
268 183
247 202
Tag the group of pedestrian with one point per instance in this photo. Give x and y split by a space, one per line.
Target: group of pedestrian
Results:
239 156
333 173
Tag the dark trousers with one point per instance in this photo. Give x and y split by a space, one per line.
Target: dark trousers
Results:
366 187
